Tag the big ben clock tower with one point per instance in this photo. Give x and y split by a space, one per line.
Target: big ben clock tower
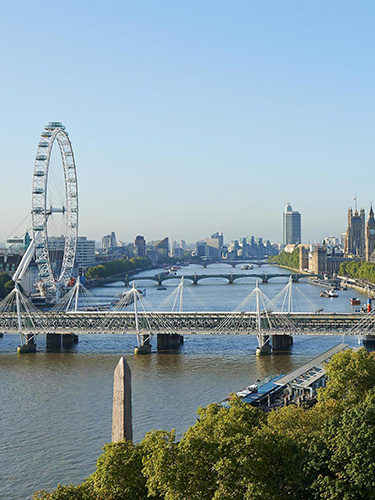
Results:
370 234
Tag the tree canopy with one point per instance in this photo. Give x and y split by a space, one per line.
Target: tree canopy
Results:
114 267
358 270
6 284
286 259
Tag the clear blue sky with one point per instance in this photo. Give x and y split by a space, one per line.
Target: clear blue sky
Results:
188 117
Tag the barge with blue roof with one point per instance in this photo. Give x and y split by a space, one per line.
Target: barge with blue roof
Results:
297 387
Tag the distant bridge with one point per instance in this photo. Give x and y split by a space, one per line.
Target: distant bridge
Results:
231 278
233 263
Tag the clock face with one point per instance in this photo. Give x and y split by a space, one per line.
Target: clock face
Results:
372 231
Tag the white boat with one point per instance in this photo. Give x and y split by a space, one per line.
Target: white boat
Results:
330 294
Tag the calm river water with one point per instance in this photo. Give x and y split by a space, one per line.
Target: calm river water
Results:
55 412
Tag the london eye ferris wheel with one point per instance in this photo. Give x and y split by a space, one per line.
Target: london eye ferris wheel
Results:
54 210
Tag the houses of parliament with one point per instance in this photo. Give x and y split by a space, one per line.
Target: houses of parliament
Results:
360 235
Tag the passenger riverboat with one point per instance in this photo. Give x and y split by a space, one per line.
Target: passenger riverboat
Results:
329 294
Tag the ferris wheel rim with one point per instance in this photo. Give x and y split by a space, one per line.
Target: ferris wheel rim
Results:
54 132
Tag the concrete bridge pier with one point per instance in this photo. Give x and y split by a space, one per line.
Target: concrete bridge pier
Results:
53 341
264 347
281 342
69 340
28 346
167 342
144 344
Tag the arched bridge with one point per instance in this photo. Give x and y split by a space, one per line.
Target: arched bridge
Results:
231 278
233 263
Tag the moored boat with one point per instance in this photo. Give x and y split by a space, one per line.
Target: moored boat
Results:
296 387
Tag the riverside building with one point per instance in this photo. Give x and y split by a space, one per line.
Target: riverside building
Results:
370 236
355 241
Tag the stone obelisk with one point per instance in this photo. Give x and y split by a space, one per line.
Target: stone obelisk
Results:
122 403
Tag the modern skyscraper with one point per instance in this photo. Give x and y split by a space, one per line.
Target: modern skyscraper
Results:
291 226
162 247
370 234
109 241
355 234
220 238
140 246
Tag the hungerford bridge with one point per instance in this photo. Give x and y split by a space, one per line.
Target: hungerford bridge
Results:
274 327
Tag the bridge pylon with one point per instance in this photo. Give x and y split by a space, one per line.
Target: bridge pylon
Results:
171 341
143 339
25 324
263 339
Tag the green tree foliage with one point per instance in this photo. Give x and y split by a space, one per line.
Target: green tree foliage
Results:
350 462
117 267
358 270
8 287
119 473
240 453
286 259
217 442
70 492
351 375
6 284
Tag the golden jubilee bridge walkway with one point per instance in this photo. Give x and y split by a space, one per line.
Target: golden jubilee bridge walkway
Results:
256 315
197 322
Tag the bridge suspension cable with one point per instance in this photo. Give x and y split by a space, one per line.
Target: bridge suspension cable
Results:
182 298
292 299
134 313
264 316
365 326
18 314
78 299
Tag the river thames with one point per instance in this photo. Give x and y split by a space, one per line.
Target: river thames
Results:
56 407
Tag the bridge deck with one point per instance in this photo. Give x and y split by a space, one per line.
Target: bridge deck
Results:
189 322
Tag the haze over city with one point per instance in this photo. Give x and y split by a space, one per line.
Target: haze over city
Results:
192 117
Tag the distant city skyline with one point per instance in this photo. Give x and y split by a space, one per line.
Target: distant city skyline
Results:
192 117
